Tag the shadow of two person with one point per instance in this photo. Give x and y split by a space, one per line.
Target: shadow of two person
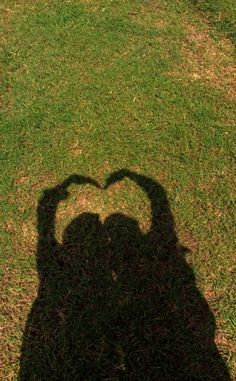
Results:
114 303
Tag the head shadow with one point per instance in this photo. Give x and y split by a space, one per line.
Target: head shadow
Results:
114 303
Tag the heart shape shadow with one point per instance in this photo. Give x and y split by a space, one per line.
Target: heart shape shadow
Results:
113 203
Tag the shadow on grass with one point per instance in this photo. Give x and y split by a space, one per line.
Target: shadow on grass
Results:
115 304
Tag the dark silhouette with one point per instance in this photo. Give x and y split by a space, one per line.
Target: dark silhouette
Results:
114 303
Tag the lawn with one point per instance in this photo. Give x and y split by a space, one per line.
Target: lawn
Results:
117 125
222 14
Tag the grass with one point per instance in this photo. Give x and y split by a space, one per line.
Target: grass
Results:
222 14
91 87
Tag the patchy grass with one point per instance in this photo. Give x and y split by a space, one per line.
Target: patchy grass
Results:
91 87
222 14
208 61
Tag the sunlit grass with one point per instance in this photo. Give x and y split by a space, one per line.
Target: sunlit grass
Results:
90 87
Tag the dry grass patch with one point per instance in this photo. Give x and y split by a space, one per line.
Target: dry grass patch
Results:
226 345
207 60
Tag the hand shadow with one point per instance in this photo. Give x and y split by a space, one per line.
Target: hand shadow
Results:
114 303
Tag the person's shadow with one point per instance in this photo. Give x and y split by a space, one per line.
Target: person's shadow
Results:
114 303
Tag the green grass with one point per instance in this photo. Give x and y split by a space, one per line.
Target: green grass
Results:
91 87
